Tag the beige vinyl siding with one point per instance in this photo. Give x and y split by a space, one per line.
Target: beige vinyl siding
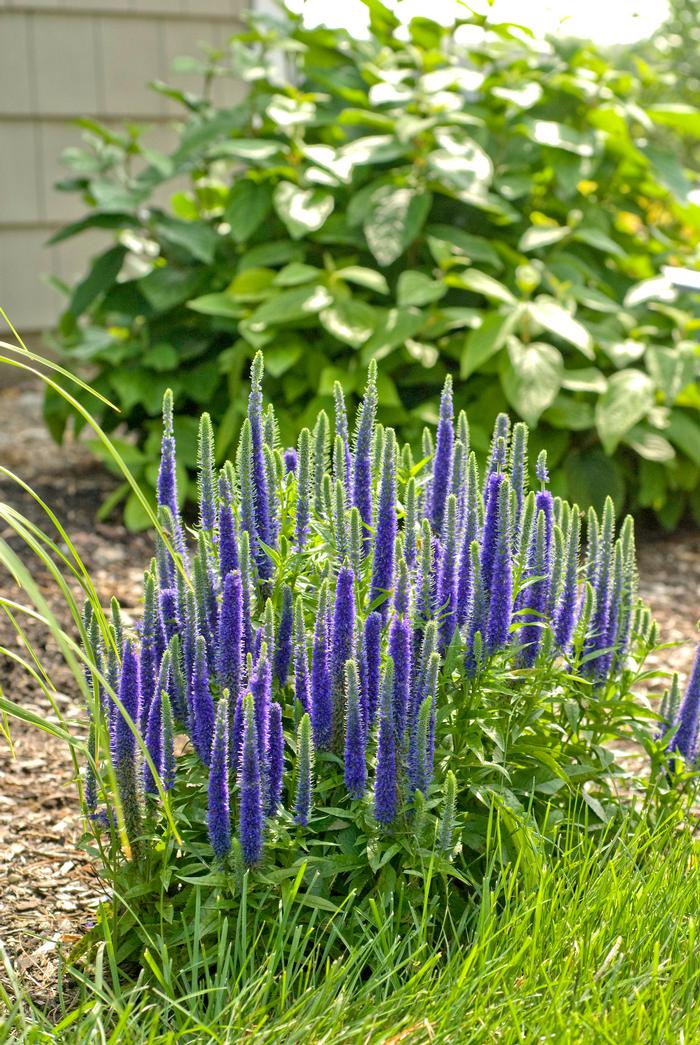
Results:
64 59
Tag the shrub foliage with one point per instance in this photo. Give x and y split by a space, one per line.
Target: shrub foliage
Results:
464 200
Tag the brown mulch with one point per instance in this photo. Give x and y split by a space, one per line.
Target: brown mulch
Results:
49 891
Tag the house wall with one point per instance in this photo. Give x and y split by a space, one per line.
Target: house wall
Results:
63 59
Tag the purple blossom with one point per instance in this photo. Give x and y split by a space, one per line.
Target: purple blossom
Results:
687 723
230 639
291 460
218 810
343 636
400 650
565 612
321 686
261 690
283 647
250 807
442 462
167 607
228 546
471 533
259 472
371 658
532 598
385 530
447 576
501 586
275 760
123 742
498 451
154 745
201 703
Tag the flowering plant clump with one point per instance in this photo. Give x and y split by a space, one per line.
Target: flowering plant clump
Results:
356 663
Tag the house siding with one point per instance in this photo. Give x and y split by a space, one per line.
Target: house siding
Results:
65 59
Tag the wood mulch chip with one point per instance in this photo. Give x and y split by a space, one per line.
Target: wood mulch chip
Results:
48 888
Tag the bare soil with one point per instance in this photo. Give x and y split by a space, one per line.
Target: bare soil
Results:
48 888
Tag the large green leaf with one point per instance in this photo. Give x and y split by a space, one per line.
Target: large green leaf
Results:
555 318
531 378
217 305
196 237
248 204
628 398
559 136
683 118
302 210
364 277
480 283
450 246
289 307
684 432
591 477
415 288
100 278
393 328
349 320
395 217
485 341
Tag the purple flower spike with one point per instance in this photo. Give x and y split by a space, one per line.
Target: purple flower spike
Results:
261 690
355 736
283 648
471 533
206 482
228 546
255 416
362 462
385 531
343 624
167 474
167 607
498 451
447 576
123 742
687 724
230 638
341 428
291 460
321 687
275 761
303 487
154 745
218 809
386 791
201 703
400 651
236 744
489 538
501 591
371 658
442 462
250 809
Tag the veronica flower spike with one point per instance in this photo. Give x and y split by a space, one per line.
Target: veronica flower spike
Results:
250 808
362 459
385 530
442 461
218 812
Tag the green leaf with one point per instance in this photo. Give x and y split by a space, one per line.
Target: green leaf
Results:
470 170
247 205
289 307
628 398
682 118
483 343
277 252
349 320
480 283
416 288
376 148
302 210
196 237
554 318
103 272
599 240
531 378
117 220
684 432
569 413
538 236
559 136
166 287
253 284
296 274
258 150
216 305
394 218
392 329
586 379
649 444
364 277
450 245
591 477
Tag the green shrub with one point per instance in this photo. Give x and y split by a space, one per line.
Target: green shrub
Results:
464 200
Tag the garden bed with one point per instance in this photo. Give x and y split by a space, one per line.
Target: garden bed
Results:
48 889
